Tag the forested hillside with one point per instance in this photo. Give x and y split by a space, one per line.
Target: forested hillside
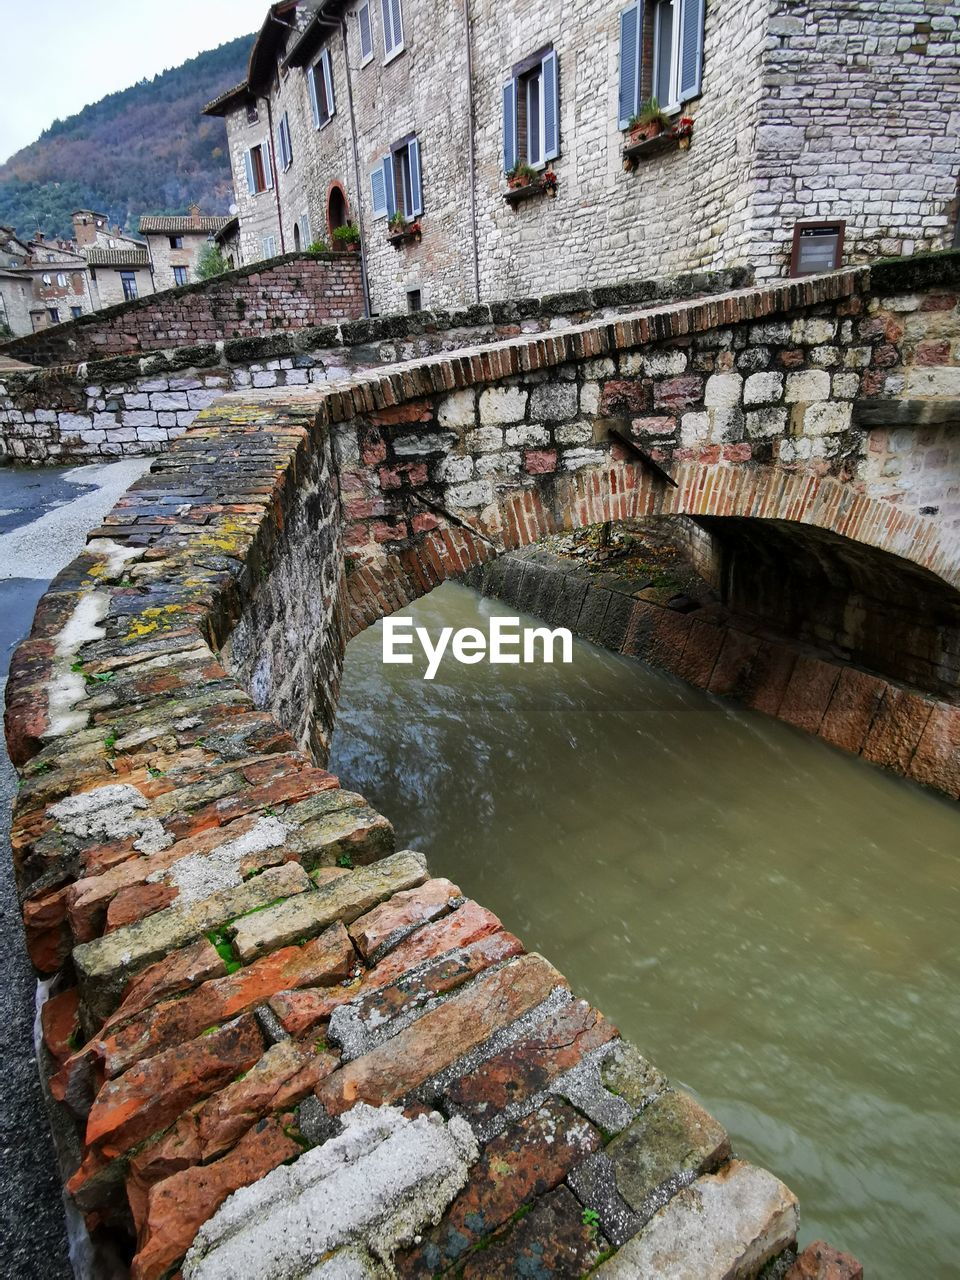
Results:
146 149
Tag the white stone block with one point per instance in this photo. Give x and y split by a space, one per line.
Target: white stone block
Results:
806 386
553 401
723 389
502 405
458 410
763 388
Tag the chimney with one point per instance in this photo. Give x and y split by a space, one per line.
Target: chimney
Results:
195 214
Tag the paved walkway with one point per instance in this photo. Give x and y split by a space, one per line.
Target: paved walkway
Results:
44 518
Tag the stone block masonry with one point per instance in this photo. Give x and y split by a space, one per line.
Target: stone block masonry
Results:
262 1016
293 292
137 403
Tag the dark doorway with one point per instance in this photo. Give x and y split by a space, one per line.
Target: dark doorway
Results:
338 212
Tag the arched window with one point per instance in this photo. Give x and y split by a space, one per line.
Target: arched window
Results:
296 237
338 211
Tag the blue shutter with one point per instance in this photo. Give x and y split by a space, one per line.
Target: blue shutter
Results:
379 192
305 231
628 102
509 125
551 107
397 24
691 48
267 167
328 82
389 186
315 106
416 186
248 165
366 33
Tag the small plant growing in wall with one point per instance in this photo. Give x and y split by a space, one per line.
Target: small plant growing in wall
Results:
318 246
397 222
211 263
347 237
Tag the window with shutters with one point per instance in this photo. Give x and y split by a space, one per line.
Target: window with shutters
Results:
365 33
396 184
76 312
284 144
179 275
54 314
320 87
176 242
253 115
259 172
269 246
392 29
531 112
661 55
129 281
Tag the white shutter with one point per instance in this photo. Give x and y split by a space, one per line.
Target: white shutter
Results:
691 48
509 125
550 90
248 165
267 167
314 105
379 192
328 81
628 101
366 34
392 27
416 185
281 151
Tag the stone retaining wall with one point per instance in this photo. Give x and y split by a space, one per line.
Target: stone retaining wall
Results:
296 291
253 990
135 404
888 724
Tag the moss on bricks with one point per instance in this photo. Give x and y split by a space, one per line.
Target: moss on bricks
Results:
247 350
921 271
200 356
559 304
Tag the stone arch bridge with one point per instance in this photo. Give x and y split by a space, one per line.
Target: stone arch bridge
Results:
240 958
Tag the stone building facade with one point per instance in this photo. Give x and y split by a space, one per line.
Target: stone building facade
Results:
353 111
175 244
119 275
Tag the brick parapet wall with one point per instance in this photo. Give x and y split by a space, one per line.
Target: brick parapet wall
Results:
292 292
224 921
135 404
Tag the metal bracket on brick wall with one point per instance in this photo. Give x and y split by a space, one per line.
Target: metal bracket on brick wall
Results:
437 510
644 457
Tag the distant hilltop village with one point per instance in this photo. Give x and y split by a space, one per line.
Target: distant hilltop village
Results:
44 282
500 148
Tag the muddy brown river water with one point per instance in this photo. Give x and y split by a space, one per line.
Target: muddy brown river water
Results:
776 925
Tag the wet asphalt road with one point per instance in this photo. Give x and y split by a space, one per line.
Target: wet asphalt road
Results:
44 517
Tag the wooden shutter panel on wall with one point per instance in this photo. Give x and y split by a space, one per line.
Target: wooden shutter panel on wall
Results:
691 48
628 101
416 185
389 186
397 23
509 125
551 107
328 81
379 192
366 33
314 104
267 167
248 165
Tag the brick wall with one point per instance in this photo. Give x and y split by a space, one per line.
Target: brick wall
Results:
293 292
136 404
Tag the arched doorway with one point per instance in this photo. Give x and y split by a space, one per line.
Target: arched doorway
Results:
338 210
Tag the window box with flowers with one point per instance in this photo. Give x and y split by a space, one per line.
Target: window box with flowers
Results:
401 232
524 182
651 131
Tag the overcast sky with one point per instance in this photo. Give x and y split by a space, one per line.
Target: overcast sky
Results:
58 57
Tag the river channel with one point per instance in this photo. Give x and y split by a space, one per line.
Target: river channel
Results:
774 924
